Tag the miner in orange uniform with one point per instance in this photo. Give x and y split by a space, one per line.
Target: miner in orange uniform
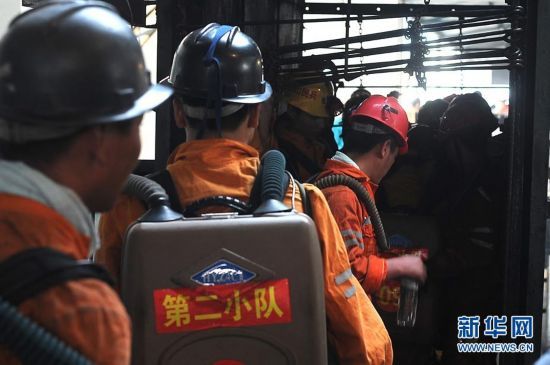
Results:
373 137
73 89
304 132
220 121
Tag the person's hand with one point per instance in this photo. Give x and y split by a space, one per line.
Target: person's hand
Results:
408 265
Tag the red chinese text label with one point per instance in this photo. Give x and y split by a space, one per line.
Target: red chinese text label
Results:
236 305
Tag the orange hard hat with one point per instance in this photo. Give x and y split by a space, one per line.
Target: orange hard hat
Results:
378 110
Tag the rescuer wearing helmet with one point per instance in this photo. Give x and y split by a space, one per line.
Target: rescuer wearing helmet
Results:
73 89
356 98
375 134
217 75
304 132
472 199
430 113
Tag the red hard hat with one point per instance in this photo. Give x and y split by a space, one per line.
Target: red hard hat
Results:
386 111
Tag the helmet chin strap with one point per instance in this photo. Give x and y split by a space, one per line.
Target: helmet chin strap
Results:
215 80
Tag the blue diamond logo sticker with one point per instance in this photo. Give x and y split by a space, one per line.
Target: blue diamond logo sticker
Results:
223 272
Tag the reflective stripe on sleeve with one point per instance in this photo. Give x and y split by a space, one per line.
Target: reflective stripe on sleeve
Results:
481 243
343 277
352 233
354 242
350 292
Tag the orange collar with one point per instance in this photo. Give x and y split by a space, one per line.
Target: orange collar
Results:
341 168
209 150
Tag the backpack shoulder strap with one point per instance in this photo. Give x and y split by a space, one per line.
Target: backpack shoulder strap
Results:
164 179
30 272
305 199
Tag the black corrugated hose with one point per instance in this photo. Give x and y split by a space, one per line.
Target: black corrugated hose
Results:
154 196
31 343
273 186
273 163
146 190
364 196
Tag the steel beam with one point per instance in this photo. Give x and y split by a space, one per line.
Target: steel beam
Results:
538 175
528 164
401 10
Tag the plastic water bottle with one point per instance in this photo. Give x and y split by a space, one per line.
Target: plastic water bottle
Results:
408 301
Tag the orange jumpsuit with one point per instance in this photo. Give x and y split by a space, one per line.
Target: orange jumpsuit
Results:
212 167
86 314
355 225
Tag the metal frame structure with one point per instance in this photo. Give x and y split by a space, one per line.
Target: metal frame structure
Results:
396 10
528 174
476 18
527 208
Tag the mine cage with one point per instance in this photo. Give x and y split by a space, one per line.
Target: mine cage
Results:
508 35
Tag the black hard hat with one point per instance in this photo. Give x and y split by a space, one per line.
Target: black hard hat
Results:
228 51
467 114
430 113
71 63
